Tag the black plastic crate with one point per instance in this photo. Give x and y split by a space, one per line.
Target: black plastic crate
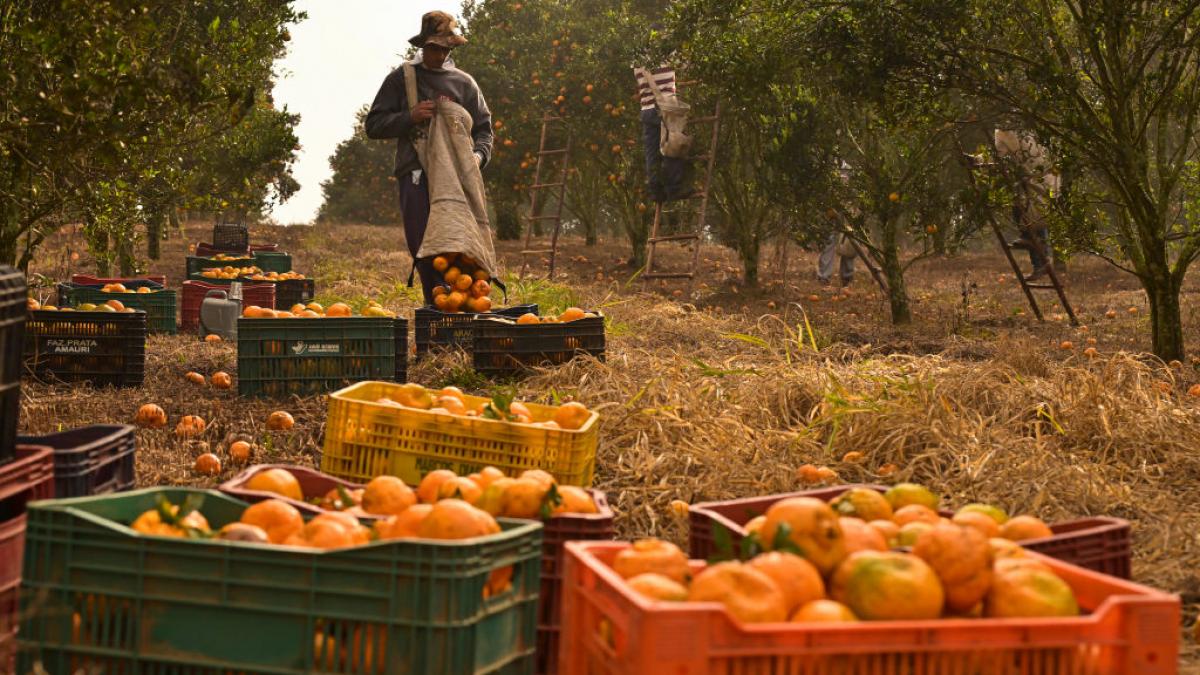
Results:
501 348
89 461
291 292
104 348
305 357
433 327
402 350
231 237
13 308
160 306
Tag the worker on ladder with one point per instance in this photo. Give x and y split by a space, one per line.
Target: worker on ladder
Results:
665 175
1037 185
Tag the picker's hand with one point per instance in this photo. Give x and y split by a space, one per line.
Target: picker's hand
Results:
423 112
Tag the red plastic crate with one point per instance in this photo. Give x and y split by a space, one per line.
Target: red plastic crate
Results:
262 295
313 485
29 477
1098 543
556 532
609 629
207 250
89 280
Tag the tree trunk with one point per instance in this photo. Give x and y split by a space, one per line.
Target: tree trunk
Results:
893 271
637 230
1165 319
126 260
508 222
154 234
749 254
8 237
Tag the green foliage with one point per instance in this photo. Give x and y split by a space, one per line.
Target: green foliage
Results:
362 188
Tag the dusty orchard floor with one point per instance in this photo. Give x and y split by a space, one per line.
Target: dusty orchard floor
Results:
718 395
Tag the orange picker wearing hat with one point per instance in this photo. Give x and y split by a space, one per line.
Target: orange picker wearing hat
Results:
444 138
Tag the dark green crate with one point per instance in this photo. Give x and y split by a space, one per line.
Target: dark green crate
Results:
160 306
197 264
104 348
500 348
270 261
305 357
166 605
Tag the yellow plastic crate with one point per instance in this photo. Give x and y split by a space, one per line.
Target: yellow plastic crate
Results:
364 439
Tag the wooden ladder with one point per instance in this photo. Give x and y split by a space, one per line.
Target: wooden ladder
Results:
1055 284
710 158
534 216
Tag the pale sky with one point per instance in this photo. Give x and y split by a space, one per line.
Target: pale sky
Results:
338 57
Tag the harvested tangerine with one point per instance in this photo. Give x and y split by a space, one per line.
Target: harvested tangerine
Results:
427 490
980 521
404 525
280 421
812 528
523 498
277 481
150 416
276 517
862 537
207 464
797 579
387 495
749 595
888 586
1022 528
657 587
572 416
195 378
456 519
460 488
189 426
528 319
574 500
652 555
239 452
338 309
915 513
823 611
962 560
222 380
863 503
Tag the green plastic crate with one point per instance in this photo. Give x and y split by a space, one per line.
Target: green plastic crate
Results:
164 605
270 261
282 357
160 306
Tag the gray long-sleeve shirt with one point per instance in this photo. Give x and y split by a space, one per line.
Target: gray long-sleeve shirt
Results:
390 115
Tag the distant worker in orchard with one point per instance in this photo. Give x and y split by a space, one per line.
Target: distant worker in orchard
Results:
395 115
665 176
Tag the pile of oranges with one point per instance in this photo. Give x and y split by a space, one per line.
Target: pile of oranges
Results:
569 416
833 562
228 272
275 276
466 289
568 315
315 310
112 307
120 288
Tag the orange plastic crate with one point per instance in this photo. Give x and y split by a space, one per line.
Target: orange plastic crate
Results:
1098 543
609 629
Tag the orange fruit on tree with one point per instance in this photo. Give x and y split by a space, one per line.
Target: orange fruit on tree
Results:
387 496
980 521
860 536
239 452
823 611
888 529
1029 591
280 421
189 426
903 494
652 555
888 586
460 488
207 464
813 529
572 416
456 519
863 503
657 587
749 595
1023 528
276 517
915 513
277 481
798 580
427 489
962 559
523 498
404 525
221 380
195 378
574 500
150 416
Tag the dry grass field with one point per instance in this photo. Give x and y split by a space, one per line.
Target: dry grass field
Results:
724 395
